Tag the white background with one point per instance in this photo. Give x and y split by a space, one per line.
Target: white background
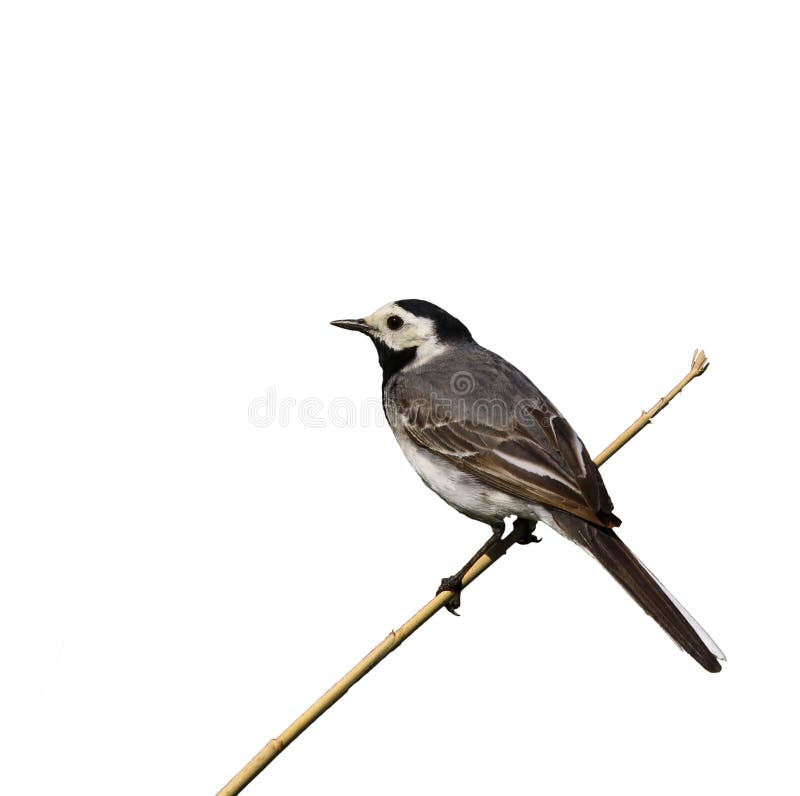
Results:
191 191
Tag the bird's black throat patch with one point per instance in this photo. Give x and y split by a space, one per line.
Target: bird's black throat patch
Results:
392 360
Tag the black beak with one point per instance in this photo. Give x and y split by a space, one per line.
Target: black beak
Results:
358 325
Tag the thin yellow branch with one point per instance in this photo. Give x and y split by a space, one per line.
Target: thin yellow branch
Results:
397 637
699 367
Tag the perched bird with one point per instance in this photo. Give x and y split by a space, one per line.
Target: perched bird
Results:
484 438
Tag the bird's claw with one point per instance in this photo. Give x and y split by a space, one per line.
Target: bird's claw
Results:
452 584
527 527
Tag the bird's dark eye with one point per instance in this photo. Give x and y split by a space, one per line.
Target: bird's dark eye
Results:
394 322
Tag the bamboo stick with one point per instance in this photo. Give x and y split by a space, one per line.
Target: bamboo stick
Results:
396 637
699 367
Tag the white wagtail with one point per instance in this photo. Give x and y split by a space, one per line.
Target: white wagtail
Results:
483 437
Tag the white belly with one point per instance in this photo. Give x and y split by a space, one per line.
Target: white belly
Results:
464 492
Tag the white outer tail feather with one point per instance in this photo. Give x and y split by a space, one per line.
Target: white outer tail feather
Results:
698 628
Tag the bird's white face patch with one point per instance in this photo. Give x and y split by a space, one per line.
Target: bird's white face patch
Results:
415 332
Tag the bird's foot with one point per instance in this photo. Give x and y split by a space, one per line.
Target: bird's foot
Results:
454 584
526 527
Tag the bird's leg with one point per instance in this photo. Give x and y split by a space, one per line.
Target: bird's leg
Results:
494 547
454 582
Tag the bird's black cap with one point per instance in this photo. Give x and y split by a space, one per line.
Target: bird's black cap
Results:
448 328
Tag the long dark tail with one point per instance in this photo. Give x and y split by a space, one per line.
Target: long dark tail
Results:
645 588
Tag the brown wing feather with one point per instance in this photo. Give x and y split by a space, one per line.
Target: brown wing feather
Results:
513 462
